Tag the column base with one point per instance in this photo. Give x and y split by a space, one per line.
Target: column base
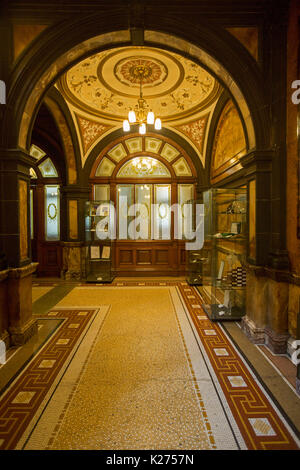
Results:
291 347
4 322
298 385
6 339
20 335
22 326
73 261
256 335
276 342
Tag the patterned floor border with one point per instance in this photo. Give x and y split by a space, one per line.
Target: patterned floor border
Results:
21 401
260 423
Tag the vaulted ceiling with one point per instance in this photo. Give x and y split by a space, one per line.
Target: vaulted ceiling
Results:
104 85
102 88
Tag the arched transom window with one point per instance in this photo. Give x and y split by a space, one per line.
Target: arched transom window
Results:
145 171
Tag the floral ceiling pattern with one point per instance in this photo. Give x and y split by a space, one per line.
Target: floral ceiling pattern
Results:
105 85
90 131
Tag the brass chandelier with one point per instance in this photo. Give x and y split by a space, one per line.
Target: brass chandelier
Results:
141 114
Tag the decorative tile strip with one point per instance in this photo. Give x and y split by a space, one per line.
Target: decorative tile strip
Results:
256 418
20 402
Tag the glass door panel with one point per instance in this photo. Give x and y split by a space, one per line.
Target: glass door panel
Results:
161 229
52 213
143 200
125 199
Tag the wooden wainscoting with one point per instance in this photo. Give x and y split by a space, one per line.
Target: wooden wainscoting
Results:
50 259
149 258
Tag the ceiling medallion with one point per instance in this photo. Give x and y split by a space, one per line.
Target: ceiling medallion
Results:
138 71
105 86
127 71
141 113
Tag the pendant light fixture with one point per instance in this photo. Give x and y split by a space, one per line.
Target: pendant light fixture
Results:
141 114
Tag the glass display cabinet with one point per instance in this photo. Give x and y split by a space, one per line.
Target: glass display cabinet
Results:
197 261
99 221
225 226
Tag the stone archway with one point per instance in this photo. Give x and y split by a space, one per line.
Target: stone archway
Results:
40 68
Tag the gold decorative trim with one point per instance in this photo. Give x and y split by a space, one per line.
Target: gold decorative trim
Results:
214 93
134 50
52 217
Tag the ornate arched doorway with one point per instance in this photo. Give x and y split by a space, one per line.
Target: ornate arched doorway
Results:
155 172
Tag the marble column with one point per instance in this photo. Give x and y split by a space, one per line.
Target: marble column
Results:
4 335
15 244
22 325
73 260
277 330
255 321
73 249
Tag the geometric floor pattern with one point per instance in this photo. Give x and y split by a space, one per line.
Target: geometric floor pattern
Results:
256 417
20 402
254 420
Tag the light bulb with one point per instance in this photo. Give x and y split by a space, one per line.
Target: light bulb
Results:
126 126
131 116
142 128
150 117
157 124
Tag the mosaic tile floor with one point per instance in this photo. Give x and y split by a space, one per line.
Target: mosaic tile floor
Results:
147 370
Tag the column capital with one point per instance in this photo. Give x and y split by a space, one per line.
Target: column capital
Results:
17 156
75 191
258 160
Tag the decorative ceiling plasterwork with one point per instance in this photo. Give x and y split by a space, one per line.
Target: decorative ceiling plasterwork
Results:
90 131
102 85
195 131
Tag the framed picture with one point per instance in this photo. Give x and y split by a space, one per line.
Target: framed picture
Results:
95 252
106 252
235 227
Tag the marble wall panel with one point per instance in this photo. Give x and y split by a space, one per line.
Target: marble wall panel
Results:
23 219
73 219
248 37
229 141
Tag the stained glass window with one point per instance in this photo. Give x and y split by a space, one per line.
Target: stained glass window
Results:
185 194
47 169
101 192
36 152
52 213
143 167
31 215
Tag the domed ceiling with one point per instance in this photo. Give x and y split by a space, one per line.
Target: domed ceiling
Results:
106 86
